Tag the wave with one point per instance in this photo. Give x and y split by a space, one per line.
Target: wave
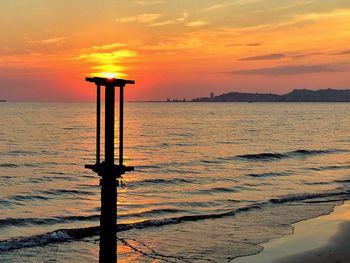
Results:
27 197
28 221
63 235
342 181
172 167
159 211
8 165
176 220
302 197
270 174
285 155
171 181
59 192
262 156
6 204
18 152
214 190
329 168
48 194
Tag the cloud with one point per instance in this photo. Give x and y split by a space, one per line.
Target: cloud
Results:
345 52
196 23
52 40
307 55
214 7
148 2
183 17
47 41
253 44
232 3
247 45
175 44
163 23
109 46
265 57
153 19
142 18
344 13
179 19
285 70
108 57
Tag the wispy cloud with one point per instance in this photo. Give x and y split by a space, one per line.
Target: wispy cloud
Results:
148 2
214 7
47 41
163 23
196 23
242 44
142 18
307 55
183 17
108 57
285 70
231 3
109 46
52 40
180 19
345 52
265 57
325 15
253 44
175 44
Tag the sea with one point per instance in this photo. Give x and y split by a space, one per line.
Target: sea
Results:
212 181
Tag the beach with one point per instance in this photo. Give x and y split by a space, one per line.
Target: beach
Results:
323 239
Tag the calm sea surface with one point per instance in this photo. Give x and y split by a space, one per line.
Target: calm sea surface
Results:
211 182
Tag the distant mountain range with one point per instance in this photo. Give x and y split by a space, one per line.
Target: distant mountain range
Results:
297 95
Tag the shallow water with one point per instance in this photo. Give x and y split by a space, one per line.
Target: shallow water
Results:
211 180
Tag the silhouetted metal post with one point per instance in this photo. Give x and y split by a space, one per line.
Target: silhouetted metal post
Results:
98 122
108 171
121 124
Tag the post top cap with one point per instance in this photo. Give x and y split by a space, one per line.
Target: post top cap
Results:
109 81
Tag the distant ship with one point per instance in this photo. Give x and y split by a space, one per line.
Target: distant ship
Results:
3 100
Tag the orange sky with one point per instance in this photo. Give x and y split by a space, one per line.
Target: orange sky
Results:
172 48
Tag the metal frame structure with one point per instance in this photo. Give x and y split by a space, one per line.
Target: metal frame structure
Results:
109 171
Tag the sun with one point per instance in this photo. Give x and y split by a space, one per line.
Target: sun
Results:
109 75
109 71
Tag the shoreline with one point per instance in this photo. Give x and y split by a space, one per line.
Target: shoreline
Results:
322 239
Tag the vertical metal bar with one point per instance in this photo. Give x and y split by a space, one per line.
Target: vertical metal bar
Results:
121 124
109 125
108 240
98 123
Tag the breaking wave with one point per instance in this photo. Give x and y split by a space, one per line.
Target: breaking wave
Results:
63 235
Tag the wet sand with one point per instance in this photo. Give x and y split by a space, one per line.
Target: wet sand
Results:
336 250
325 239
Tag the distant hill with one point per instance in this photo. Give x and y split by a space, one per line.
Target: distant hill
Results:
297 95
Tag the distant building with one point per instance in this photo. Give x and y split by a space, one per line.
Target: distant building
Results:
212 95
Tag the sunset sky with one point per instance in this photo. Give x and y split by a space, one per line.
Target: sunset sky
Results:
172 48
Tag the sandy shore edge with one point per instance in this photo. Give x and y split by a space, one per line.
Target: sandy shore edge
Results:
322 239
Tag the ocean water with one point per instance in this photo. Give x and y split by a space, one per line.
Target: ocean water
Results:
212 180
